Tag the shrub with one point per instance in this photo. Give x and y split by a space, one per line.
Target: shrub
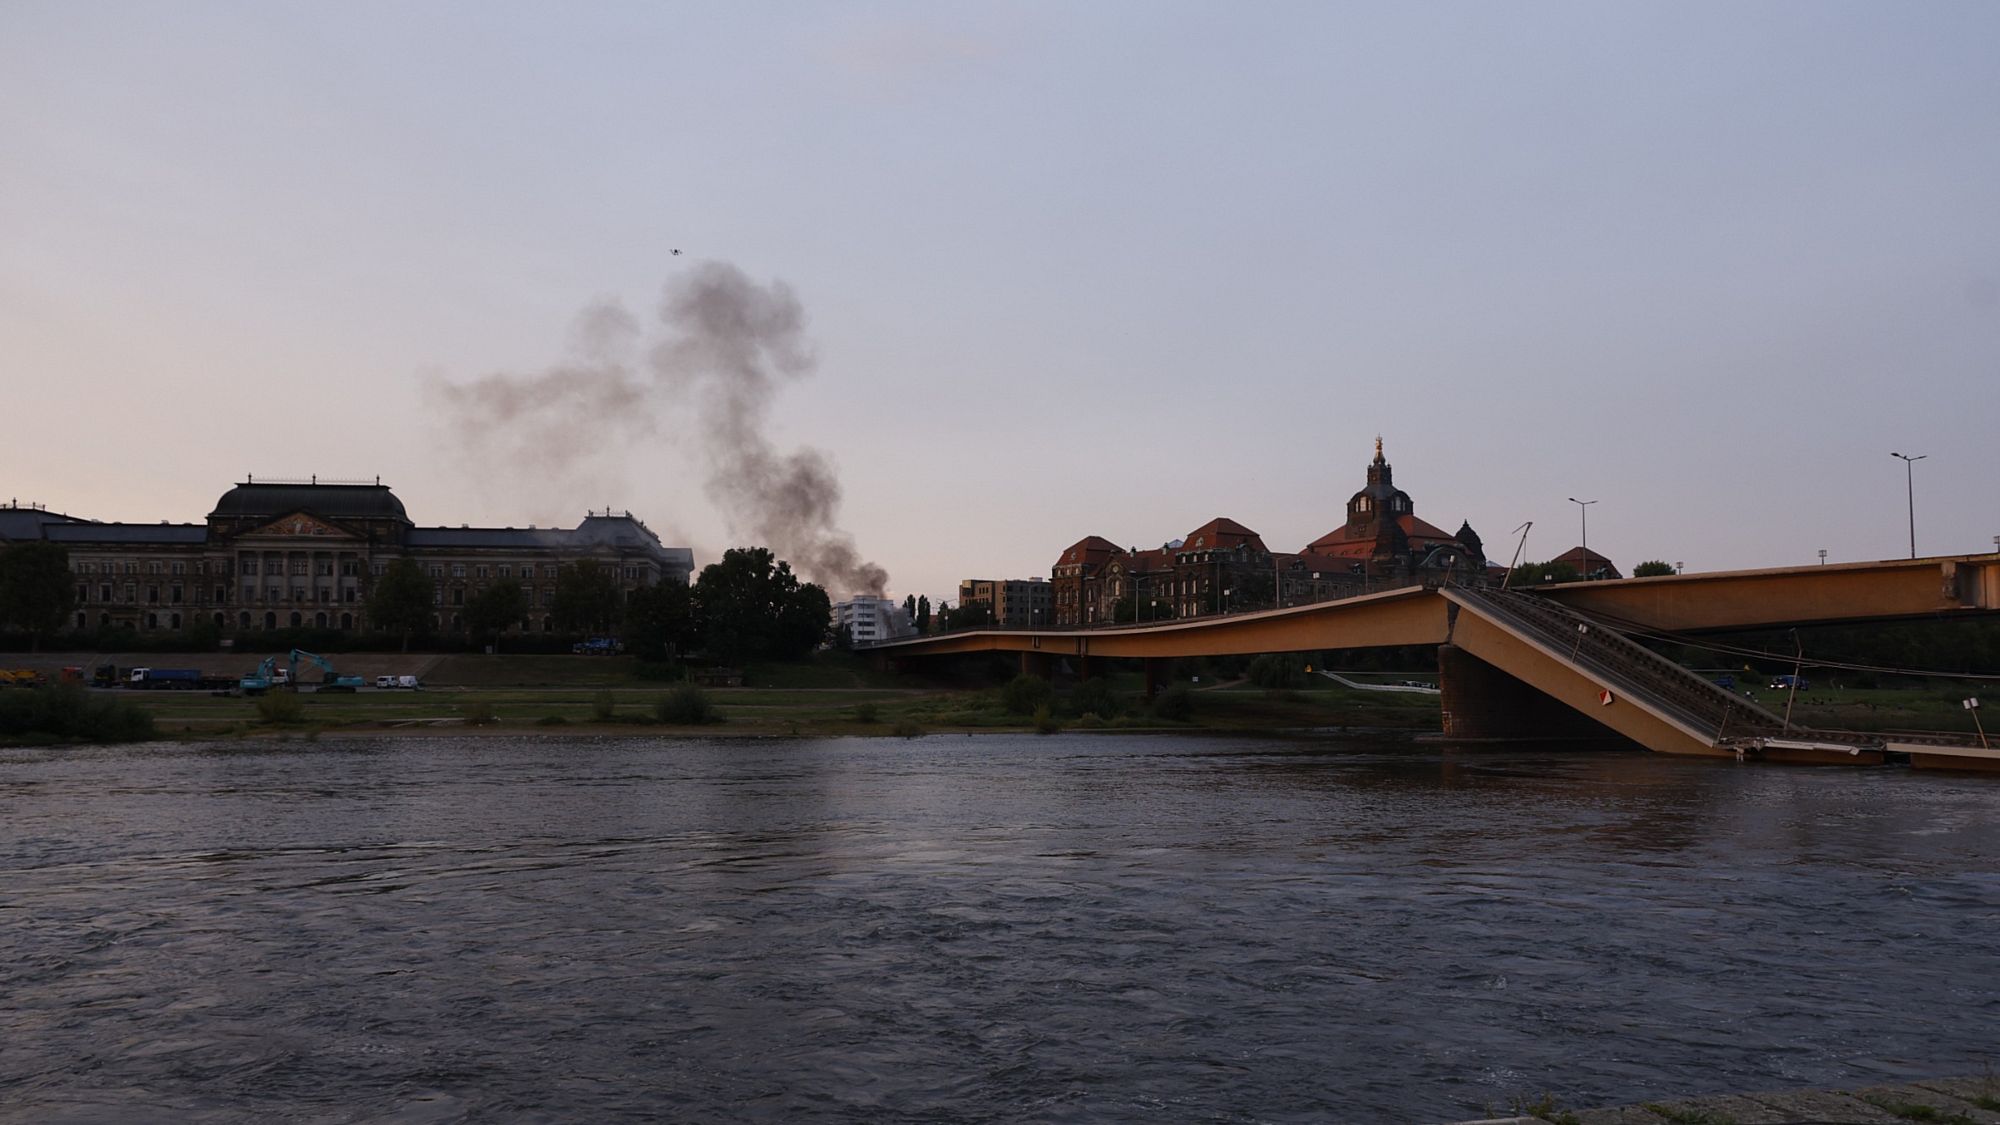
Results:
907 728
66 713
686 705
1277 671
603 705
479 713
1090 720
1045 720
866 713
1093 696
1176 704
281 708
551 721
658 671
1024 693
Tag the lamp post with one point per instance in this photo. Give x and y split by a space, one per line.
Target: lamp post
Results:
1910 486
1583 509
1822 556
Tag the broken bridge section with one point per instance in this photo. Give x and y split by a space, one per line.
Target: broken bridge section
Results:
1511 655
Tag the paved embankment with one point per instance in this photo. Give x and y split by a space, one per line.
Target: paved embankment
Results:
1949 1101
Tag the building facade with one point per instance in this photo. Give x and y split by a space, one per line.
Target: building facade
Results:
1223 566
292 554
869 620
1016 603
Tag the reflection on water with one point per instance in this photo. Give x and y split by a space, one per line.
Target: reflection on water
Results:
996 928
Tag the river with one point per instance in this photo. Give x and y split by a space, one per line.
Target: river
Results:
1082 928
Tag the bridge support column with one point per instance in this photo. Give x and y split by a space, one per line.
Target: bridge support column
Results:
1481 702
1156 674
1039 664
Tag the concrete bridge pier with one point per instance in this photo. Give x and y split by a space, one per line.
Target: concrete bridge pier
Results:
1483 703
1156 675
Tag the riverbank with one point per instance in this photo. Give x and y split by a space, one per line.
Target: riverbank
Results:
1947 1101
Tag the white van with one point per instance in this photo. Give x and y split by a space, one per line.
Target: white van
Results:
408 682
385 682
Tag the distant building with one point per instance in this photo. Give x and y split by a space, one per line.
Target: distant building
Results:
869 620
1223 566
1590 564
291 554
1020 603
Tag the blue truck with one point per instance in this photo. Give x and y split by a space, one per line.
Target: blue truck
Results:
175 679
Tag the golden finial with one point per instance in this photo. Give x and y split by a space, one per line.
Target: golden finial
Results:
1378 447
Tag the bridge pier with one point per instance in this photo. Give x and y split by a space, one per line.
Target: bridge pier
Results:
1038 664
1483 703
1156 674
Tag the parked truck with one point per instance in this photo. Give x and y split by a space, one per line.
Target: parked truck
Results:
171 679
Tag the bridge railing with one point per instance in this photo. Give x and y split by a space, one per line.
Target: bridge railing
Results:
1616 658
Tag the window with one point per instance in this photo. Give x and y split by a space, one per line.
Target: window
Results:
323 570
481 572
437 570
458 570
221 594
349 568
378 569
249 566
298 593
299 567
152 568
153 595
104 591
506 571
176 594
180 568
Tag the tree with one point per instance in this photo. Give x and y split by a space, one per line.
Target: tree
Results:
401 600
1542 574
923 618
1652 568
910 605
37 591
587 598
660 621
492 611
752 607
969 615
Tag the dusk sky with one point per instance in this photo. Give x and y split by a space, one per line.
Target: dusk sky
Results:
1067 269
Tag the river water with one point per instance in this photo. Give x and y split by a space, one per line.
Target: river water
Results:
1003 928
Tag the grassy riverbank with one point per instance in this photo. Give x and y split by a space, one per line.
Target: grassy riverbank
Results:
834 694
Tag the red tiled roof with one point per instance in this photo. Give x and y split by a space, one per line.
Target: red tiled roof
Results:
1221 532
1421 534
1091 550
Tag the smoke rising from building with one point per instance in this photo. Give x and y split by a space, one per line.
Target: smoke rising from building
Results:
725 347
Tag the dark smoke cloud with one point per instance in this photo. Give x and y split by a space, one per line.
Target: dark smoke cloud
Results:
726 347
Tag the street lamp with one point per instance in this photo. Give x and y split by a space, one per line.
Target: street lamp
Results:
1910 486
1822 556
1583 509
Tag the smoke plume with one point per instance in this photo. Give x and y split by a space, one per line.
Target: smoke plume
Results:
724 348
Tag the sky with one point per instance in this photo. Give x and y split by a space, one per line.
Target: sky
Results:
1065 269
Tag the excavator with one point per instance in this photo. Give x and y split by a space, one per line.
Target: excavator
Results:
329 679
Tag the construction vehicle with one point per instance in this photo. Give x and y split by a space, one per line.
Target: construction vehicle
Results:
20 677
171 679
330 680
267 676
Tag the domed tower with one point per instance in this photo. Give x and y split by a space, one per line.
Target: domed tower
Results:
1374 510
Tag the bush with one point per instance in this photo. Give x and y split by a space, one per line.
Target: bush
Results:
907 728
281 708
603 705
1276 671
67 713
1024 693
1045 720
866 713
686 705
1093 697
551 721
658 671
479 713
1090 720
1176 704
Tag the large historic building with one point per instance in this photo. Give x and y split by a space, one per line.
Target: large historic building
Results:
287 554
1223 566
